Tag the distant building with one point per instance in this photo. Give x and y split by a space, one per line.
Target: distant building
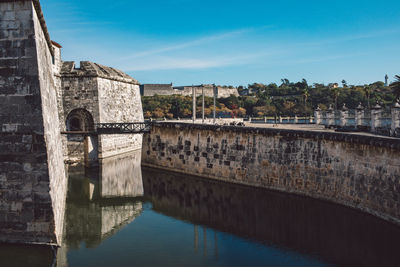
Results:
156 89
168 89
333 85
386 80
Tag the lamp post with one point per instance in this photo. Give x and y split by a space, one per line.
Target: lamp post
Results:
194 104
215 100
202 104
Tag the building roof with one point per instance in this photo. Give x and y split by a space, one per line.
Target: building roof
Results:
56 44
91 69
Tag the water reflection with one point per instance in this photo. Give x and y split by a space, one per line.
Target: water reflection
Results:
20 255
334 233
116 177
121 176
99 202
120 214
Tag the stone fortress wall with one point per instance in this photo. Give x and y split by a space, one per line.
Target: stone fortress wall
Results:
109 96
358 171
40 97
168 89
33 180
119 102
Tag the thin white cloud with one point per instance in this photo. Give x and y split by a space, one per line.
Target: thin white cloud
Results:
169 63
309 60
192 43
353 37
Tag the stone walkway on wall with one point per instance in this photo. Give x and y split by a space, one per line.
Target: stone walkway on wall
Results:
298 127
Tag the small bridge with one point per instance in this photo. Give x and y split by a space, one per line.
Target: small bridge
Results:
115 128
123 128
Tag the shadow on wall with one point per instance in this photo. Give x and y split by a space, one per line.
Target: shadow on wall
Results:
80 120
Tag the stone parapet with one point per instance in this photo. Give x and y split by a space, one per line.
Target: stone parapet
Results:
359 171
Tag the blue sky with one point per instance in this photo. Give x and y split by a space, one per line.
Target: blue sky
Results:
232 42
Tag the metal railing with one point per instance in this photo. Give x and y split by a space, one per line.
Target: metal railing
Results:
123 128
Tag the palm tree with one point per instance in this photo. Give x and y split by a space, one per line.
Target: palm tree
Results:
336 92
367 90
306 95
395 86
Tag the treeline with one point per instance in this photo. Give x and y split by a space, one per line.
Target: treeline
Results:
286 99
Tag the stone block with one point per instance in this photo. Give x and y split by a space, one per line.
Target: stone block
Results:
356 171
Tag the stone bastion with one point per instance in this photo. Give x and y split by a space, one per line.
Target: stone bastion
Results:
358 171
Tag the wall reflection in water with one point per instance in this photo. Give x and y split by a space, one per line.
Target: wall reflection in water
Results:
334 233
32 256
121 176
100 202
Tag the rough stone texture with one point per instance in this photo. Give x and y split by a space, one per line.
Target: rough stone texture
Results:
167 89
156 89
354 170
119 102
109 96
32 175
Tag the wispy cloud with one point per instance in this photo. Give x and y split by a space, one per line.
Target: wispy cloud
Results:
310 60
353 37
168 63
192 43
215 50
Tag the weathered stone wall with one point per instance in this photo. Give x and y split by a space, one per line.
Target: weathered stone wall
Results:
59 93
227 92
32 175
108 100
208 91
52 134
167 89
80 92
119 102
354 170
156 89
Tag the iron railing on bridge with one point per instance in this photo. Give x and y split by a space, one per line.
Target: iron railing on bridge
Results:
123 128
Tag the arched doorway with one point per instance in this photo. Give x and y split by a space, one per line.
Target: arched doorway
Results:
81 145
79 120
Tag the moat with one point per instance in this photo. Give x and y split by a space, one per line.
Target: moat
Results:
122 214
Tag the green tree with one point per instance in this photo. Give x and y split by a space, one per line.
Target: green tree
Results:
306 95
336 93
395 86
367 91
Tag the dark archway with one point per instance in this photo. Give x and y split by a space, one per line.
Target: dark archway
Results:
79 120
